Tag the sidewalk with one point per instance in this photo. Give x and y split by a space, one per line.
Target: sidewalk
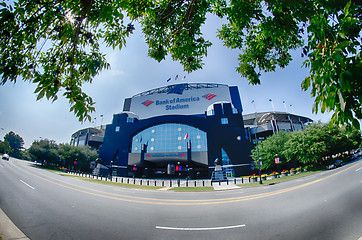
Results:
224 186
8 230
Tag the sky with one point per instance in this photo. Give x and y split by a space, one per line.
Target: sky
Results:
132 72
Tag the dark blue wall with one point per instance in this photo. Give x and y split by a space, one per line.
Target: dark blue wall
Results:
230 137
116 145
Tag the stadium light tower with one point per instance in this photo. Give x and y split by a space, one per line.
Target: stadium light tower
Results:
285 106
271 101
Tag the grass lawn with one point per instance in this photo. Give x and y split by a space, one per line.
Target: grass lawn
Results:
193 189
113 183
246 185
277 180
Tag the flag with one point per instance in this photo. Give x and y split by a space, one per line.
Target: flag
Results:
176 77
184 78
168 79
186 136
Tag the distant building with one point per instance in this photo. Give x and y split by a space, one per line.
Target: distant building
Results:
265 124
91 136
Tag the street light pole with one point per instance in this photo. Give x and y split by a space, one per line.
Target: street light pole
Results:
260 181
111 170
257 147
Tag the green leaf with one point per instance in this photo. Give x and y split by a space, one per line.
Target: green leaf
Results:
343 44
341 100
40 95
306 83
346 8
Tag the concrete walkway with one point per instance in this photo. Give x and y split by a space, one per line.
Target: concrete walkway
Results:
8 230
224 186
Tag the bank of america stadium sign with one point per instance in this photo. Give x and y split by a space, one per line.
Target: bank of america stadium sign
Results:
178 103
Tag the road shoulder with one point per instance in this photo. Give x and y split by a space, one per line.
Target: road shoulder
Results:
8 230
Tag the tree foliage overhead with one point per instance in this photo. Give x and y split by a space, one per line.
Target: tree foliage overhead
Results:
56 44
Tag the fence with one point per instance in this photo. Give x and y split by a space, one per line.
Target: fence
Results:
165 182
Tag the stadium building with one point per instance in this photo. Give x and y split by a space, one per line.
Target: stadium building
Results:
185 125
264 124
91 136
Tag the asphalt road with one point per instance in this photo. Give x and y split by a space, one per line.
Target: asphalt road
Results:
45 205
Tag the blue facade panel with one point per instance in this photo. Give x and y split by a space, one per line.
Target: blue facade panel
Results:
235 98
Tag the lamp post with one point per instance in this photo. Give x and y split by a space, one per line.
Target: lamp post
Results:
260 163
179 173
257 147
111 169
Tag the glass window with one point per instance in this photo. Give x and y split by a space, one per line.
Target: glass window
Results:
170 137
224 121
227 164
130 120
210 113
117 129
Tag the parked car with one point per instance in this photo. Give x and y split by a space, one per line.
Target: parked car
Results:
337 163
6 157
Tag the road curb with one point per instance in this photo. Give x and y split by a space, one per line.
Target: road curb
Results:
8 230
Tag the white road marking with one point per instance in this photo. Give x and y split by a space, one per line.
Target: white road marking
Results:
358 169
2 166
26 184
200 229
